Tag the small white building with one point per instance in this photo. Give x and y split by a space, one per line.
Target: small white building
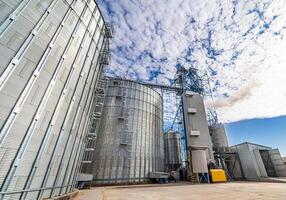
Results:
258 161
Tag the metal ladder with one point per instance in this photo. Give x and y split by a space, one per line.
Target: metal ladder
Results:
98 108
95 122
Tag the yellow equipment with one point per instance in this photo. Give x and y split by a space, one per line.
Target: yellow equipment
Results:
218 175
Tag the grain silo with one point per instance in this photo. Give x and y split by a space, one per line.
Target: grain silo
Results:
172 149
219 138
130 137
51 58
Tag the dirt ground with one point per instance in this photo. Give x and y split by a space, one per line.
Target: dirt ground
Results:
185 191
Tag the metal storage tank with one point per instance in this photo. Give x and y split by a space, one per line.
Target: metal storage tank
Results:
50 61
172 149
130 138
219 138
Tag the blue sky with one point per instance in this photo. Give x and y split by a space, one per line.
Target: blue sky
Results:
240 44
269 132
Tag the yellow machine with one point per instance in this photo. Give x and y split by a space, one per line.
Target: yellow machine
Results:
218 175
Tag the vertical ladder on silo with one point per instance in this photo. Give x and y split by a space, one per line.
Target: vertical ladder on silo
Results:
95 121
125 140
128 134
90 140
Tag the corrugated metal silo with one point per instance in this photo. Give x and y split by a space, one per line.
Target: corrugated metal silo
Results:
172 147
50 62
219 138
130 136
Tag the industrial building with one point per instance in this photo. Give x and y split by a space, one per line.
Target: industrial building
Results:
258 162
198 139
51 57
64 123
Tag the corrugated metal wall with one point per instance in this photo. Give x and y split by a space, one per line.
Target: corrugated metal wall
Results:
172 147
130 136
251 162
49 65
273 163
219 138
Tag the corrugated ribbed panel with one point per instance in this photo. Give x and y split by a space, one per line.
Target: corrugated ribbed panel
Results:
130 137
49 54
172 147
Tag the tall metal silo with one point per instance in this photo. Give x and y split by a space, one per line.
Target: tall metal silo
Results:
172 148
219 138
50 61
130 138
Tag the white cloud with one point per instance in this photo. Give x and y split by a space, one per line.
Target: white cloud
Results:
241 41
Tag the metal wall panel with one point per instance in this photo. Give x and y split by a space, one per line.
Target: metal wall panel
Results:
50 52
197 130
277 162
5 10
251 162
219 138
199 161
172 148
129 143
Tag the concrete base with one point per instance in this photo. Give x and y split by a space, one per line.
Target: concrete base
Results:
270 179
93 184
68 196
233 191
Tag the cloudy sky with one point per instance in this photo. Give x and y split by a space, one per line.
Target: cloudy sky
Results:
241 44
